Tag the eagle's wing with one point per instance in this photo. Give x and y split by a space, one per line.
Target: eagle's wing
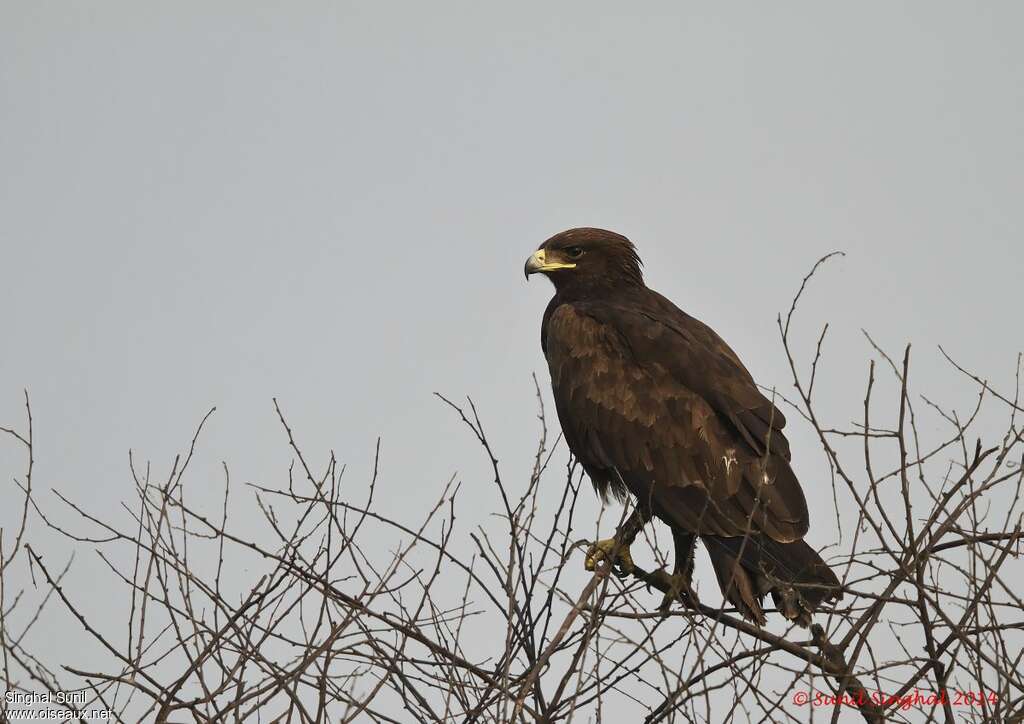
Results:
706 364
653 399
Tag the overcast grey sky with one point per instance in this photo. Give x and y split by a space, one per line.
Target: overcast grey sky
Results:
217 203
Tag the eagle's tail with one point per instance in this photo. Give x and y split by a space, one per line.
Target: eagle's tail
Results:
795 575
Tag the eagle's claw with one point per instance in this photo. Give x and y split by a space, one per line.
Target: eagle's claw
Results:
612 550
679 589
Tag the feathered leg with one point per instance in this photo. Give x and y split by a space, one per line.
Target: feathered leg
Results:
682 572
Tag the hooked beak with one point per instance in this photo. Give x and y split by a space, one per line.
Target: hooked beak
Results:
538 262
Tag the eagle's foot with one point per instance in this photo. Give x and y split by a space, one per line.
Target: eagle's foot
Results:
612 550
679 589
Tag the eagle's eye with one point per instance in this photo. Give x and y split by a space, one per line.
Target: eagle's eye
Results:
574 252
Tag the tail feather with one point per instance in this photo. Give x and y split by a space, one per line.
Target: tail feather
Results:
738 586
798 580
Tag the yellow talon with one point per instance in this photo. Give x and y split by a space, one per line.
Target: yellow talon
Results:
613 551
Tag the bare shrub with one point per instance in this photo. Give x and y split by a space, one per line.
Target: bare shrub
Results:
476 620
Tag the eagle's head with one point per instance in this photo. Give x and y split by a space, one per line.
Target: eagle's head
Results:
587 258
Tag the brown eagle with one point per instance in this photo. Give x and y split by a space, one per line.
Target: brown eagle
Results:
653 403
